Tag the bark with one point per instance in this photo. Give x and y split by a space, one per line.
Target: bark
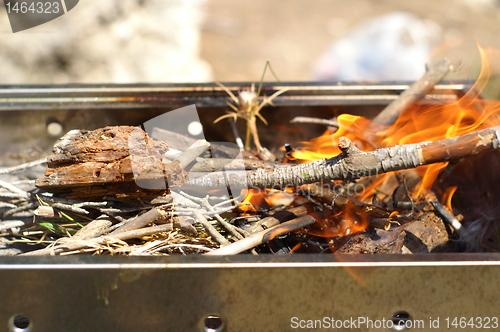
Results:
120 161
353 163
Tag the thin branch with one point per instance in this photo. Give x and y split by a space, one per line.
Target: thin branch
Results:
158 247
9 224
22 166
307 119
236 134
71 208
277 218
22 208
211 230
454 223
152 215
13 189
264 236
72 245
418 90
230 228
193 152
354 164
94 229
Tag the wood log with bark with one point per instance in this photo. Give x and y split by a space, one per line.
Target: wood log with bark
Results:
353 164
110 161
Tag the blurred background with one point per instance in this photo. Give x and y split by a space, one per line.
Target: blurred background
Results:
125 41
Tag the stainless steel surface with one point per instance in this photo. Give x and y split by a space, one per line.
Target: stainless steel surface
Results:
50 97
248 293
27 112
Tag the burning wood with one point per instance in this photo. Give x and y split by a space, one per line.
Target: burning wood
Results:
118 190
265 236
354 164
434 74
298 217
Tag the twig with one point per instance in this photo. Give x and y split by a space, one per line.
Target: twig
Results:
125 210
211 230
13 189
72 245
185 226
23 166
228 203
157 246
189 212
24 182
204 202
152 215
8 224
71 208
49 198
454 223
307 119
25 207
183 245
229 227
93 229
264 236
236 134
4 205
186 204
194 151
121 221
190 197
277 218
12 195
354 164
416 91
213 164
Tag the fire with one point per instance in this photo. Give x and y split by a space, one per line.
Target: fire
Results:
264 199
340 224
447 196
420 123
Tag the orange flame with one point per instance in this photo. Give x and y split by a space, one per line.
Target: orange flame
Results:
258 199
342 224
418 124
448 195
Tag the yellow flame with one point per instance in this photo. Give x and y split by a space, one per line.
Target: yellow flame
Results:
419 123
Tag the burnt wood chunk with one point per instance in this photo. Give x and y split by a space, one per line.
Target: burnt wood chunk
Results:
120 161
